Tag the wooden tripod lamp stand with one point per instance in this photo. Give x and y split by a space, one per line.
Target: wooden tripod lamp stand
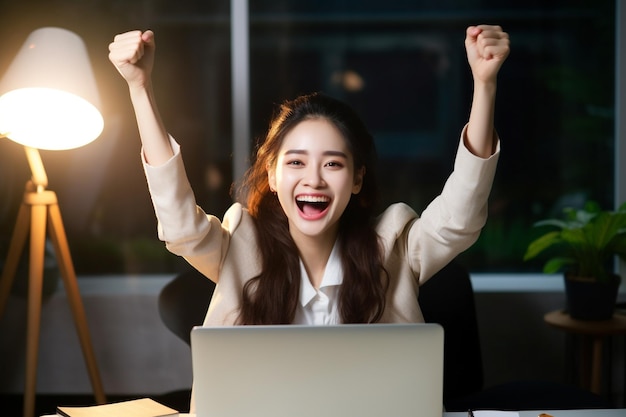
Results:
48 100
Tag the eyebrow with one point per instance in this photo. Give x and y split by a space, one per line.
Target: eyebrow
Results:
325 153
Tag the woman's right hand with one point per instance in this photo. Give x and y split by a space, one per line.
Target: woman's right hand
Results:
132 53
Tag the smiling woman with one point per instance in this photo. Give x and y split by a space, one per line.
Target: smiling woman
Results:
363 268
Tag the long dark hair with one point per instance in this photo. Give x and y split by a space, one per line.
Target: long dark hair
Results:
272 296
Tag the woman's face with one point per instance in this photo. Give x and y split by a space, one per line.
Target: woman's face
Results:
314 178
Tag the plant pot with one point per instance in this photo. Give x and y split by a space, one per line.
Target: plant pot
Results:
591 300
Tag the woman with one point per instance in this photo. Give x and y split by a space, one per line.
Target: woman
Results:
307 248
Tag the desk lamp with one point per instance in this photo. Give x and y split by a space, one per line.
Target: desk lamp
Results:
48 100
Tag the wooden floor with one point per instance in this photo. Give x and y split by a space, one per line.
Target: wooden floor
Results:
45 404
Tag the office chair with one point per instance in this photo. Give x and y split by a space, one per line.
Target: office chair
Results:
448 299
183 303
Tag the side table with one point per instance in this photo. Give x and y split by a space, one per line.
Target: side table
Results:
597 332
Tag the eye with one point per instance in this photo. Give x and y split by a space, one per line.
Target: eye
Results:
294 162
334 164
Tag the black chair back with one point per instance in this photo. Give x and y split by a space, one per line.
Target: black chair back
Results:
448 299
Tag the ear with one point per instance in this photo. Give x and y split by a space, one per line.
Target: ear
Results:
271 177
359 174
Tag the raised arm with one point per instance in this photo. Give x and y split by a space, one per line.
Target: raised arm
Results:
132 53
487 47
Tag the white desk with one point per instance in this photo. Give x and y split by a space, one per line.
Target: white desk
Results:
554 413
561 413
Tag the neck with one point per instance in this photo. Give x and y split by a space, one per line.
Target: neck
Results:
314 252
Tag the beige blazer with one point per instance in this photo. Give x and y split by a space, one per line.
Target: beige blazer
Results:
415 247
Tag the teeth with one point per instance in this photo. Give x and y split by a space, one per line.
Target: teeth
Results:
312 199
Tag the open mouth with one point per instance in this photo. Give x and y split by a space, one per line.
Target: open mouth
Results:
312 205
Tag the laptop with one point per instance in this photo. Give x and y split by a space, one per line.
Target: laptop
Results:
374 370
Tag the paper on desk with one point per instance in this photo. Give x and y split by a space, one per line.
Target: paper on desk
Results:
495 413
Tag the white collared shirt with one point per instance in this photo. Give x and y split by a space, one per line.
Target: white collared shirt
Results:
317 307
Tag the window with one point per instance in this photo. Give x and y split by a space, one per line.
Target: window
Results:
401 64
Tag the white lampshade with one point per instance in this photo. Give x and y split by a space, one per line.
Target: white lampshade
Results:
48 96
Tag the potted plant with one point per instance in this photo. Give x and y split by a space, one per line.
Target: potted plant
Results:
583 244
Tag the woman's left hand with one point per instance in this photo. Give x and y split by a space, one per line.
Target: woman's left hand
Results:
487 48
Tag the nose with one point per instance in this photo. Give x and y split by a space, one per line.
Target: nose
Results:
313 177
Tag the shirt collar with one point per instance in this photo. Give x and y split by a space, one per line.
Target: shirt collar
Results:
333 275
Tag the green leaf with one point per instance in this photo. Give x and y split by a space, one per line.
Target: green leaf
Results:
574 237
618 246
552 222
557 264
542 243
